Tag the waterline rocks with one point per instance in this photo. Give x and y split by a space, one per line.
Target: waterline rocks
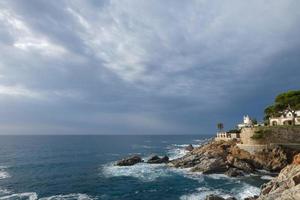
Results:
132 160
158 160
226 157
234 172
285 186
189 148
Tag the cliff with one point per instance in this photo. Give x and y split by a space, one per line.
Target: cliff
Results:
286 186
226 157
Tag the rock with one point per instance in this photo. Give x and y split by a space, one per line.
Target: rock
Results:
251 198
243 165
186 161
157 160
231 198
234 172
296 159
213 197
189 147
132 160
285 186
209 166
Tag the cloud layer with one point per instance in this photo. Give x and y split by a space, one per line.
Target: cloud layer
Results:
143 67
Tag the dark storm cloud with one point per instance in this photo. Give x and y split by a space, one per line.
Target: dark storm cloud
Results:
143 67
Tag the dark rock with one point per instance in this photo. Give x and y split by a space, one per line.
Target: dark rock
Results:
189 147
231 198
157 160
243 165
234 172
210 165
213 197
251 198
132 160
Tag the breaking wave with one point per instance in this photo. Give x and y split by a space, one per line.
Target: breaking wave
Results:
142 171
3 174
240 193
34 196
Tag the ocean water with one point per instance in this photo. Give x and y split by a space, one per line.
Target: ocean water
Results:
82 167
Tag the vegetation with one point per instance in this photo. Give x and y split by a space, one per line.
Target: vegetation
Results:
260 134
254 121
290 99
234 131
220 126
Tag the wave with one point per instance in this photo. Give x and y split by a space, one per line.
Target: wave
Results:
142 171
201 193
240 193
245 191
266 177
77 196
34 196
25 195
3 174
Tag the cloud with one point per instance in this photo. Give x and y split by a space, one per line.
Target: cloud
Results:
153 65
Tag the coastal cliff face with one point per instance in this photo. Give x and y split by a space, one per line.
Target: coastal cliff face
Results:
226 157
286 186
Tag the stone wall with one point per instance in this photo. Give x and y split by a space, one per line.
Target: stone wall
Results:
274 134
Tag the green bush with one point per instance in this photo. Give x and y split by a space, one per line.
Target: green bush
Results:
260 134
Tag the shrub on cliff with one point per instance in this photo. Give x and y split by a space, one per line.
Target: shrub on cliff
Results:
260 134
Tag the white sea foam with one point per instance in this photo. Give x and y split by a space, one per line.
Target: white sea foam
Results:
219 176
246 191
4 192
77 196
201 193
25 195
175 151
266 177
3 173
142 171
34 196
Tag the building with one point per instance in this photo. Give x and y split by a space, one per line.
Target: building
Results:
227 136
247 122
287 117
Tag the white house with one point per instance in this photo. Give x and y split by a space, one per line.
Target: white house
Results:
227 136
286 118
247 122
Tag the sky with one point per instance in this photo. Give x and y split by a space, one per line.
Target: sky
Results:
143 66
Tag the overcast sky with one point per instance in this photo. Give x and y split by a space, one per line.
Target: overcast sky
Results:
143 66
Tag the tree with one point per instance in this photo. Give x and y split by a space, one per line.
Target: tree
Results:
254 121
285 101
220 126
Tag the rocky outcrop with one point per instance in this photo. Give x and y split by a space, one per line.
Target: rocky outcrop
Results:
234 172
132 160
213 197
285 186
189 147
226 157
157 160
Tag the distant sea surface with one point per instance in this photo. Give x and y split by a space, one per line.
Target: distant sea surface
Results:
82 167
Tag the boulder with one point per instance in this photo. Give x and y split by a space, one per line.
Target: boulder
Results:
210 165
189 147
157 160
132 160
234 172
251 198
243 165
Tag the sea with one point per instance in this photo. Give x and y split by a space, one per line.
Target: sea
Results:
82 167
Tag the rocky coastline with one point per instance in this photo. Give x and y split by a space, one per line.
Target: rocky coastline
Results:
227 158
